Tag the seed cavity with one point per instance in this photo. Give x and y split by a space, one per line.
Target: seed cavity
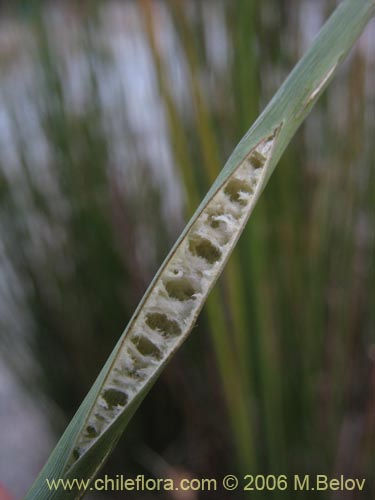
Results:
257 160
202 247
235 190
114 397
161 323
99 417
223 226
214 222
91 431
215 218
180 289
146 347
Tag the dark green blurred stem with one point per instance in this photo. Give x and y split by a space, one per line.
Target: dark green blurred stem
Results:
234 380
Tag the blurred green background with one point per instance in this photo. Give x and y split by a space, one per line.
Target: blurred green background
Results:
115 117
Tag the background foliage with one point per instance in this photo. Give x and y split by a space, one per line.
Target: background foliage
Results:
114 120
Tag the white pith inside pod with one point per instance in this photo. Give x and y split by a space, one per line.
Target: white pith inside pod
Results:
172 305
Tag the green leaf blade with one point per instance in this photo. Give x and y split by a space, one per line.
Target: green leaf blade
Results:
171 304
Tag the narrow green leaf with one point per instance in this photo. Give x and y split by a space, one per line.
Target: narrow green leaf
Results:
175 297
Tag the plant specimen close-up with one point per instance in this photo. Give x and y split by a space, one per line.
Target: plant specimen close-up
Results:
119 126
